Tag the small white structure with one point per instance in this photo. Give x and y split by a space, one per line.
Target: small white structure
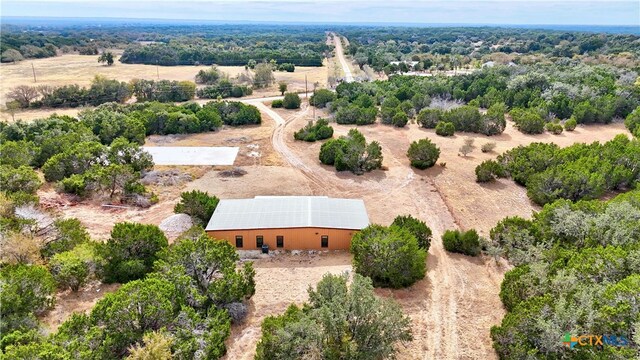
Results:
411 64
192 155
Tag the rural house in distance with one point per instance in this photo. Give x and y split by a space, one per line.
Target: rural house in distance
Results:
288 222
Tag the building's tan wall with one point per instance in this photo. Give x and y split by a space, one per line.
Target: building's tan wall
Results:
294 238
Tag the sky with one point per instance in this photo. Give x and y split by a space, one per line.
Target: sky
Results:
568 12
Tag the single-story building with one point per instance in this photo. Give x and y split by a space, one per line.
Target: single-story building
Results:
288 222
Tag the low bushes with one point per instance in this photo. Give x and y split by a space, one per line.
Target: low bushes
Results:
322 97
312 132
445 129
416 227
352 153
353 114
467 118
197 204
291 101
276 104
390 256
467 243
554 128
488 170
579 171
528 121
632 122
423 154
570 124
488 147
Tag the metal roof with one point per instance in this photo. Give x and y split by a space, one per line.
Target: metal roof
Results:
264 212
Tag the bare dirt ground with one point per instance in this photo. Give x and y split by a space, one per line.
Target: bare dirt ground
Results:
68 302
81 69
300 272
452 309
458 299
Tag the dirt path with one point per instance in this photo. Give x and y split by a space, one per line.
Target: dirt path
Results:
348 77
459 295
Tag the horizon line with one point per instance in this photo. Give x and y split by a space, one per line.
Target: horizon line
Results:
306 22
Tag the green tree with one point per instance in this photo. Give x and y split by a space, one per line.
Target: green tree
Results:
352 153
467 243
123 152
75 160
106 57
37 351
416 227
429 118
22 179
291 101
528 121
263 75
390 256
340 322
66 235
322 97
282 87
445 128
113 179
423 154
18 153
400 119
206 273
130 252
11 55
26 291
197 204
312 132
72 269
488 170
632 122
137 307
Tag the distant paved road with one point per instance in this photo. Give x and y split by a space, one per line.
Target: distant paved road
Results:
348 77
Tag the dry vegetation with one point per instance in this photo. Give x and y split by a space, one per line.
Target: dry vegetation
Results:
458 297
81 69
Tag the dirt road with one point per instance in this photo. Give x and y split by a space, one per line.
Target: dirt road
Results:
459 295
348 77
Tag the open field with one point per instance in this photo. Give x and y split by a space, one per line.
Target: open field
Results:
81 69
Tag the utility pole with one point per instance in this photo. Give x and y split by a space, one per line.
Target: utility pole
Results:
306 91
314 105
34 72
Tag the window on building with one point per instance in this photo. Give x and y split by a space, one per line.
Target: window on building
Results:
280 241
324 241
238 241
259 241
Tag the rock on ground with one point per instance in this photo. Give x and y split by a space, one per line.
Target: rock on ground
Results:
176 224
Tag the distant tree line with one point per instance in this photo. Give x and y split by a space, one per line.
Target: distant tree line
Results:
289 45
448 48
